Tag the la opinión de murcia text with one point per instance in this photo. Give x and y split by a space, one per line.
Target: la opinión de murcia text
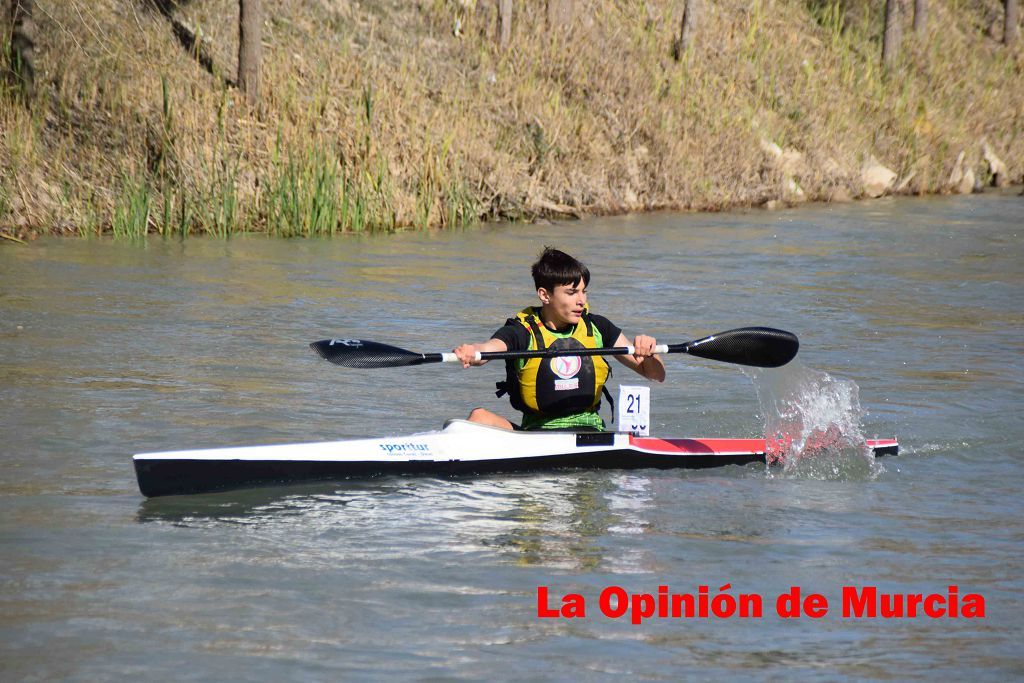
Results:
856 602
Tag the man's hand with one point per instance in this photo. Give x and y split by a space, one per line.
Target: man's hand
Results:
643 347
467 355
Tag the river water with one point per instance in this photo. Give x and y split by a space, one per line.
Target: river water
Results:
108 349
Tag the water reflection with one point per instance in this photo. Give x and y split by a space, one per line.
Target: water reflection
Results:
556 521
577 521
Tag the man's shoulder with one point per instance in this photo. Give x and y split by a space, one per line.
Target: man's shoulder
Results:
513 334
609 331
597 318
602 321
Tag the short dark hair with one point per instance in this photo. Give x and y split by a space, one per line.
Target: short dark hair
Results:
555 268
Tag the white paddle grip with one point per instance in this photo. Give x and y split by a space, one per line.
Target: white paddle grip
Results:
452 358
658 348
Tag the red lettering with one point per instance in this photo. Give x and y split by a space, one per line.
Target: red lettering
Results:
702 602
859 604
574 606
751 605
543 611
642 607
683 605
724 605
914 600
935 606
621 602
892 606
788 604
815 605
974 606
867 602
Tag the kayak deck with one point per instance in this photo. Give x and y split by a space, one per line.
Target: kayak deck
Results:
460 448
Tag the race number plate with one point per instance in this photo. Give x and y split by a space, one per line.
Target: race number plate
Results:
635 410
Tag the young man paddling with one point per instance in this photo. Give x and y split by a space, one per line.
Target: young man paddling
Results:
561 392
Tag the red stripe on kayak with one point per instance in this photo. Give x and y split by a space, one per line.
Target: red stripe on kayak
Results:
698 446
718 446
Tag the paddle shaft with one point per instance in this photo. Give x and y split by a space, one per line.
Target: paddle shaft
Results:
549 353
756 346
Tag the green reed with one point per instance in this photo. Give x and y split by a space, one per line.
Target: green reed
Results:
303 198
132 210
461 205
5 204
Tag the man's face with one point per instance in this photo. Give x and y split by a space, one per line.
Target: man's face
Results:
564 305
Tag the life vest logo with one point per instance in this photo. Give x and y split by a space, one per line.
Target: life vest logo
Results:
566 367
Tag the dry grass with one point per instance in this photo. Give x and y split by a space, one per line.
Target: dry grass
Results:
377 116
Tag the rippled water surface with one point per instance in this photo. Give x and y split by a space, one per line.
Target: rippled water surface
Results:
111 349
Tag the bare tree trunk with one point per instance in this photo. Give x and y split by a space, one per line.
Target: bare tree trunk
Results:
920 17
23 46
559 14
1010 23
249 20
893 33
504 23
687 27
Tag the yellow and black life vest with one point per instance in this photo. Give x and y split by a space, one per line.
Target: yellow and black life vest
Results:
556 386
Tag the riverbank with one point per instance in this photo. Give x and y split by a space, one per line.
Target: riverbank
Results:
391 115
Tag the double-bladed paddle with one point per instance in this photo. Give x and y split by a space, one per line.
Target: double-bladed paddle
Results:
762 347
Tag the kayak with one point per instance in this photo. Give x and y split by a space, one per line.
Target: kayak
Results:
461 447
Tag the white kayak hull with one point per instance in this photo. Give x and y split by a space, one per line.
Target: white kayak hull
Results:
460 448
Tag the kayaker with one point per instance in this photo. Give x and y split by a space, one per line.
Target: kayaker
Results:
561 392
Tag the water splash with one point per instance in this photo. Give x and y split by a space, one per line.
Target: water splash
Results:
813 424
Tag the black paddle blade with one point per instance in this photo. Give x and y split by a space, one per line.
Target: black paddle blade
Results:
762 347
356 353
